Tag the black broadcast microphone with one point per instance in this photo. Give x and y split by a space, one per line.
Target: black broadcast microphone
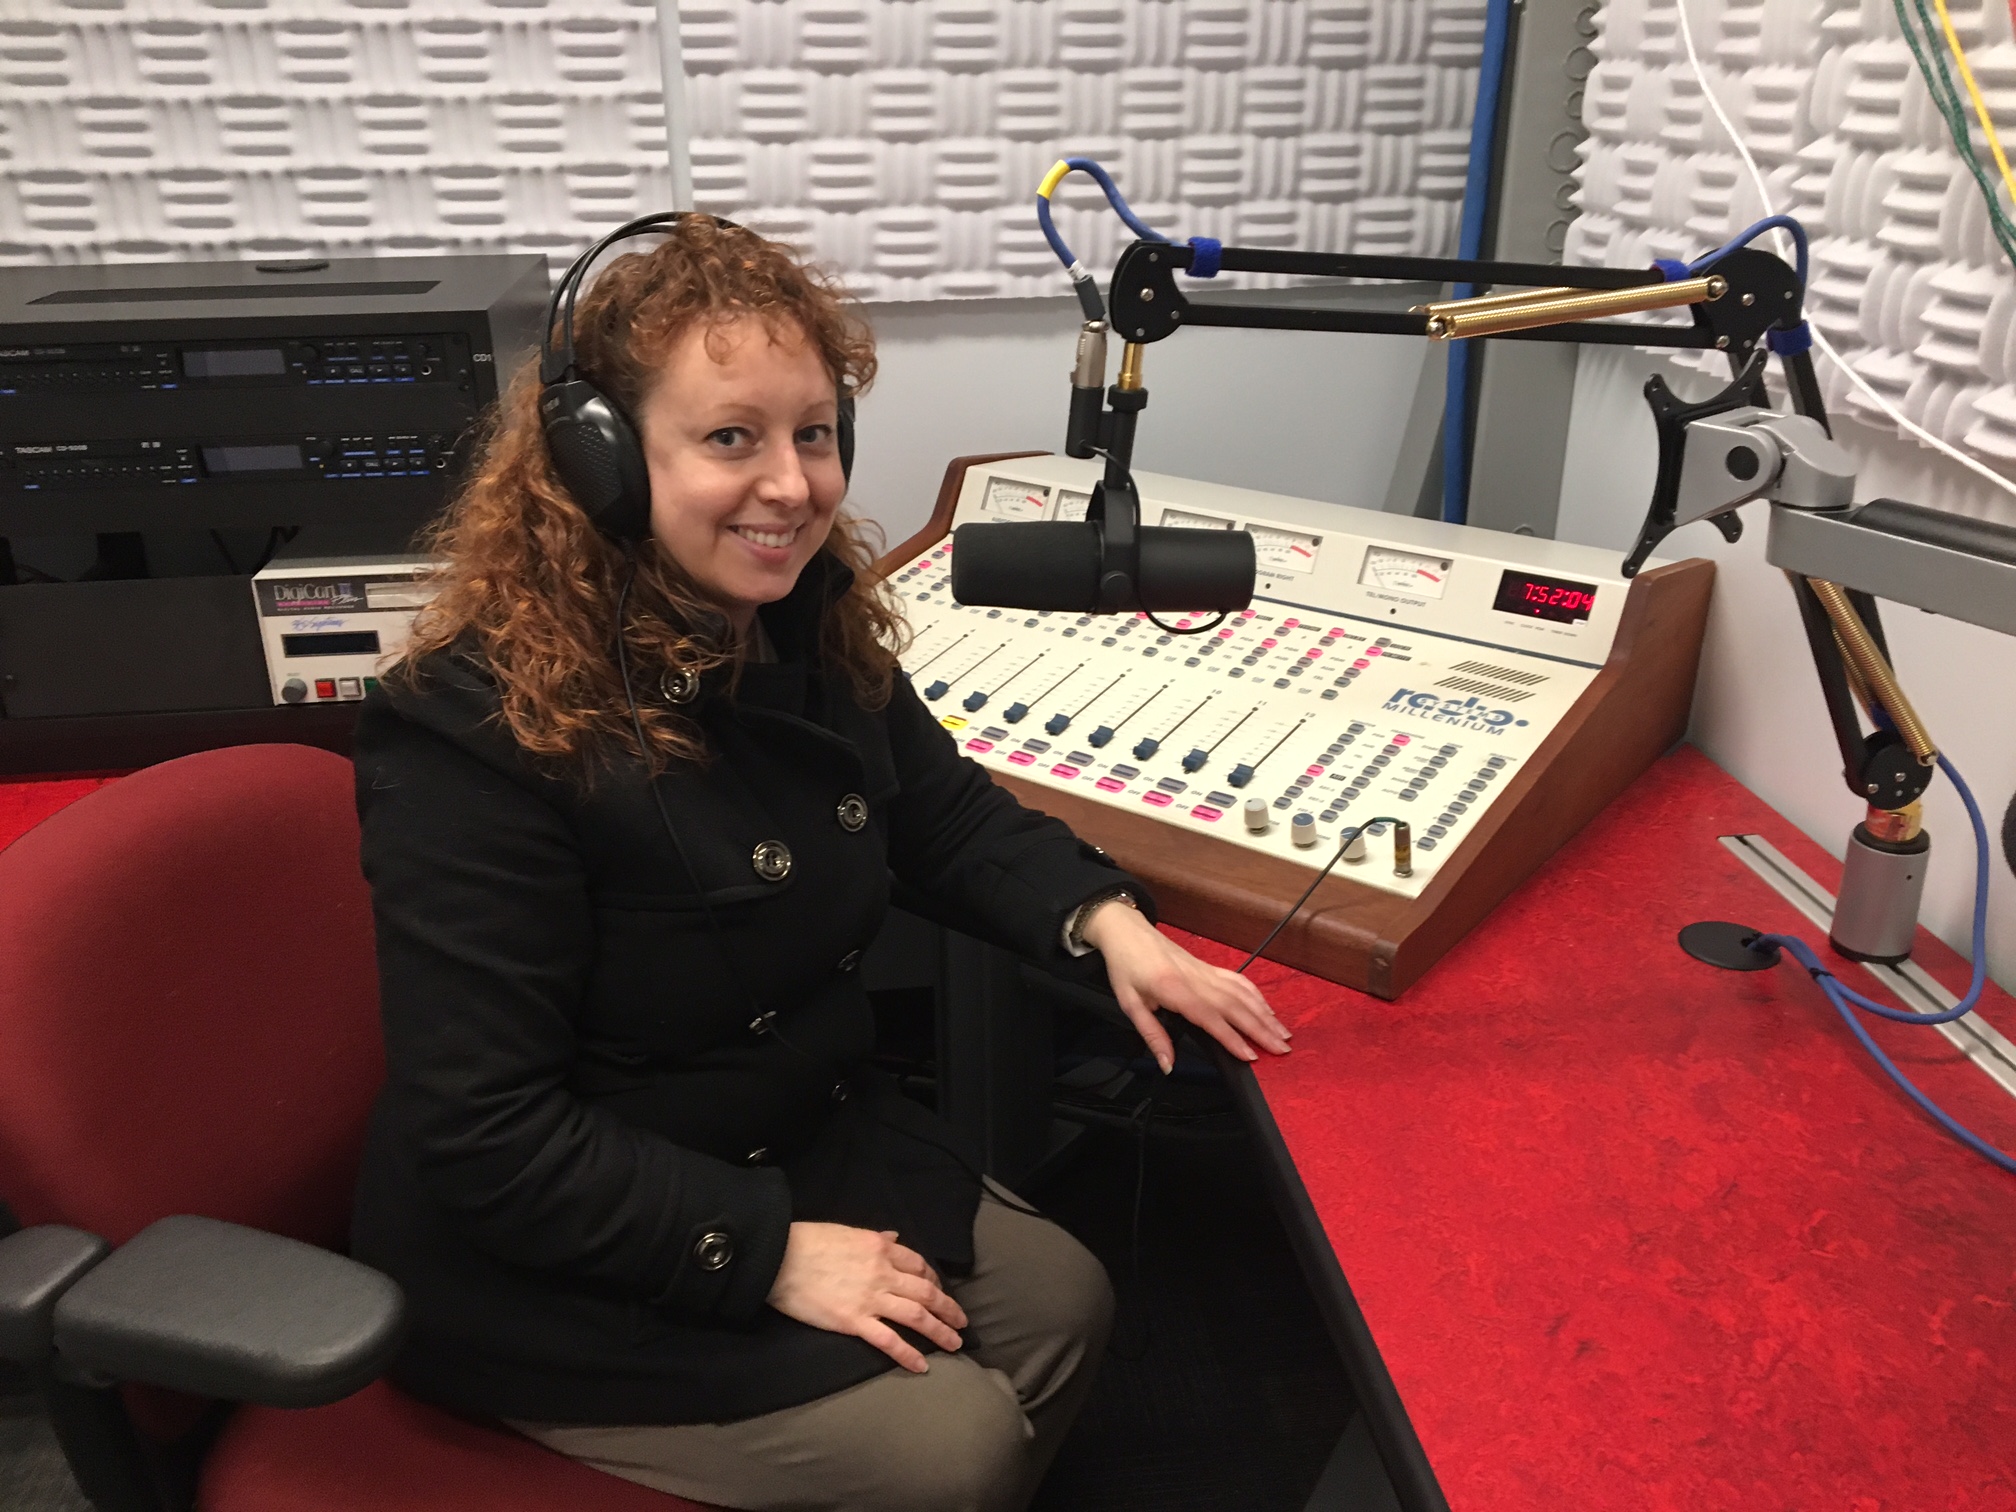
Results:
1108 563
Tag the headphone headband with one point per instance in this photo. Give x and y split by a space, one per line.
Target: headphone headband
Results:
592 442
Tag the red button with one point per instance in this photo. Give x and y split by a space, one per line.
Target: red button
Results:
1110 784
1021 758
1290 624
1064 770
325 687
982 746
1160 800
1206 812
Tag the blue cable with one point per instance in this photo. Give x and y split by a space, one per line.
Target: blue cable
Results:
1846 1000
1113 197
1745 237
1470 244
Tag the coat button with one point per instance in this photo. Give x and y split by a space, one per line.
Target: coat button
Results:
850 960
679 686
772 860
757 1156
840 1091
713 1250
852 813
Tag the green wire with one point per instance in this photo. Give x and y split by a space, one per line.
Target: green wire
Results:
1946 100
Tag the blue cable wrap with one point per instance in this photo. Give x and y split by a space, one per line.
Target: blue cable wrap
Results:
1470 244
1749 234
1204 254
1672 269
1790 343
1846 1000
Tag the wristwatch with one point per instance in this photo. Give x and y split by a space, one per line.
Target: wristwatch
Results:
1074 927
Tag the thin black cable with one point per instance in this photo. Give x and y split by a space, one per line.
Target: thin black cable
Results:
217 540
1149 614
1344 839
1143 1112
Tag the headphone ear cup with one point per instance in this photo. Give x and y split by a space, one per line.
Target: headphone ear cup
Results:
598 458
843 433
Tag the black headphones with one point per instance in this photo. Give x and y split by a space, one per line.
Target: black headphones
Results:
593 444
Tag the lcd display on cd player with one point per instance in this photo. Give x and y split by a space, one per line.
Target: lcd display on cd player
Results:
1546 598
242 459
238 362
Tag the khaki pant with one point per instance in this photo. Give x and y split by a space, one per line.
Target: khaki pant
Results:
973 1434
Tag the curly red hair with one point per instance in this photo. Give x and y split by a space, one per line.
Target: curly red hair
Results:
531 587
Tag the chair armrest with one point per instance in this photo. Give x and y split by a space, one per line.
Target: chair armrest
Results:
37 1266
220 1310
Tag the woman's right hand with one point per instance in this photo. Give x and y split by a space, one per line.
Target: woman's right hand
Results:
850 1280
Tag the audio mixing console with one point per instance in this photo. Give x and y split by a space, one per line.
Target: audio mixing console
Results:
1489 690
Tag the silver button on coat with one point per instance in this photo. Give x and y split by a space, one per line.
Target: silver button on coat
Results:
772 860
713 1250
852 813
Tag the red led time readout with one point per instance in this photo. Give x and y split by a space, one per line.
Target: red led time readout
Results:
1545 598
1560 598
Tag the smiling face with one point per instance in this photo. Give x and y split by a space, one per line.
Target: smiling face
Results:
738 435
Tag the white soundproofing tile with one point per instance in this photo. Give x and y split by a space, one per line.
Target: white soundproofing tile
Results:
1907 280
900 140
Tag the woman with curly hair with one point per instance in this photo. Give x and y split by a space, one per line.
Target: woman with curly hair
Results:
631 813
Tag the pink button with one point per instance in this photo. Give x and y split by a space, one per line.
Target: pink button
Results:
1290 624
1313 652
1021 758
925 563
1110 784
1226 634
1248 613
1183 624
1312 771
982 746
1336 630
1270 644
1064 770
1361 662
1371 650
1402 739
1207 813
1160 800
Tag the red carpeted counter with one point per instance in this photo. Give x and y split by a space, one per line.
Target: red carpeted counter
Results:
1632 1232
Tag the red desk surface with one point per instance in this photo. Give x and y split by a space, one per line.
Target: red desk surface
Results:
1632 1232
26 801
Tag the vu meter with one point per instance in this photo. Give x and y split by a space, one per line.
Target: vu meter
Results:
1008 499
1183 519
1276 550
1404 572
1072 505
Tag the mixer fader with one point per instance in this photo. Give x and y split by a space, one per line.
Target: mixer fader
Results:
1389 668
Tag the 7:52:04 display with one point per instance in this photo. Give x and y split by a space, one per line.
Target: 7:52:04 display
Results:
1557 599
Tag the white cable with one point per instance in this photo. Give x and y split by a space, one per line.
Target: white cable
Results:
678 111
1820 340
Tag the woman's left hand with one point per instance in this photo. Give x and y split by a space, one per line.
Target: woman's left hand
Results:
1148 970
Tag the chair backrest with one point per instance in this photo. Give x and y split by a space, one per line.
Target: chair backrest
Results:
188 999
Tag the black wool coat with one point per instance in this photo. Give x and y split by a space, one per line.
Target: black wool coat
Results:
603 1111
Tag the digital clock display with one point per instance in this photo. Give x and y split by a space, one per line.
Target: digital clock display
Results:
1545 598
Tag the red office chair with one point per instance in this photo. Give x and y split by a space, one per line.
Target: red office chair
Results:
188 1026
